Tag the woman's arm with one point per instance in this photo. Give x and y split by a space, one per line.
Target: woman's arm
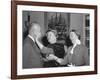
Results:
44 50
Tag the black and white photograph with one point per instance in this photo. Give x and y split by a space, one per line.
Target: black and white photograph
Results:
55 39
51 40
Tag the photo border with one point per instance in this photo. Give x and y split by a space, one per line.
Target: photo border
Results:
14 38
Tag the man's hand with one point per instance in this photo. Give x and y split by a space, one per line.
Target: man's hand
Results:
44 59
51 57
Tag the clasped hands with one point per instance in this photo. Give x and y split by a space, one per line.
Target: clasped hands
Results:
53 57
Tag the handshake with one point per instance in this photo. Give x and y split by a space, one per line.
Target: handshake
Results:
53 57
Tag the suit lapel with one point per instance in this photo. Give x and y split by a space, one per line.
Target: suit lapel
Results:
34 46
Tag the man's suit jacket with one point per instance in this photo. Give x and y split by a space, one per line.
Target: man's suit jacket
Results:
31 54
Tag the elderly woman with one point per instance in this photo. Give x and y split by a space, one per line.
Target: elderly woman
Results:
58 48
53 48
77 54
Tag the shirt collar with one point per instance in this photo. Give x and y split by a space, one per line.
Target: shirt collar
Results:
31 38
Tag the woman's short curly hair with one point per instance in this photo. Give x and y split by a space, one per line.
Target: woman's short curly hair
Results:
54 31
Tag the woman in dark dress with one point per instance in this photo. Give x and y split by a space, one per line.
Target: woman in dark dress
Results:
58 49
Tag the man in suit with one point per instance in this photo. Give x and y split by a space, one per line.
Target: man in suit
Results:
33 48
31 53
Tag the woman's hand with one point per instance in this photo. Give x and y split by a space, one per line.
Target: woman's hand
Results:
59 60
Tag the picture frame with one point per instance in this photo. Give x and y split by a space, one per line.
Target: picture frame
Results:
17 7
